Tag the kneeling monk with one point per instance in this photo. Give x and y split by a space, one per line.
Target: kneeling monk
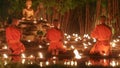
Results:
103 34
13 36
55 37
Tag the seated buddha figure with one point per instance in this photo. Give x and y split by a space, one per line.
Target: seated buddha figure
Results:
28 12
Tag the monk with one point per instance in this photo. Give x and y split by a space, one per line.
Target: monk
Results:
55 37
103 34
13 36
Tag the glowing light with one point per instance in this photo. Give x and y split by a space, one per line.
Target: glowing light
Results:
40 46
29 40
65 63
88 63
4 47
77 55
65 42
41 64
5 56
65 34
113 63
47 63
113 44
76 39
80 38
35 21
72 47
5 62
89 43
54 57
75 63
68 63
72 63
47 43
41 18
31 57
94 40
65 46
23 55
54 61
23 61
40 55
68 37
76 35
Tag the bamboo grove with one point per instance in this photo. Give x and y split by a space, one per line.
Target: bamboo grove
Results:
76 16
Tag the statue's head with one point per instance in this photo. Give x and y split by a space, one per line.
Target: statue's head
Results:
28 3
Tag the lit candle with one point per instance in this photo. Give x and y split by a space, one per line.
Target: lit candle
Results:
75 63
88 63
54 61
72 47
40 55
4 47
47 63
41 64
40 46
29 40
23 61
77 55
72 63
5 62
5 56
113 63
23 55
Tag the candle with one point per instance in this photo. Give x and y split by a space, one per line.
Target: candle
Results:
41 64
40 55
77 55
40 46
23 55
4 47
47 63
23 61
5 56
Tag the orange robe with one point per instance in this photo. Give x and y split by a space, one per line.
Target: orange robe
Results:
103 34
13 36
55 37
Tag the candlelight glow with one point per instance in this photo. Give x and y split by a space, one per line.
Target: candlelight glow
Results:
29 40
113 44
113 63
77 55
23 61
41 64
47 63
4 47
40 55
5 56
72 47
40 46
23 55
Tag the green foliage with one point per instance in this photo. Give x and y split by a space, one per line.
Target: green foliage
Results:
14 7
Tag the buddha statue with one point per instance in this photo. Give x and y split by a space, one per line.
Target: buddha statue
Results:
28 12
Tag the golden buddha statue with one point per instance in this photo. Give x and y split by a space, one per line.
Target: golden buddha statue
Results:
28 12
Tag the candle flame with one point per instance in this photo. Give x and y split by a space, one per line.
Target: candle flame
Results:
77 55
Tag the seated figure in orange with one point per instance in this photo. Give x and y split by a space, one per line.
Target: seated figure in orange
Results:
103 34
55 37
13 36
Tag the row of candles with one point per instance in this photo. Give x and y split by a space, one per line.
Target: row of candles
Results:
72 62
86 42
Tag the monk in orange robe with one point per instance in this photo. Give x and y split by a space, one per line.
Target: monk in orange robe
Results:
103 34
55 37
13 36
